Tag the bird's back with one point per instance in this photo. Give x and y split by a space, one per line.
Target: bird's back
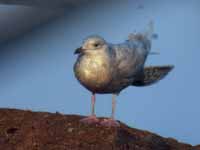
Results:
128 60
131 55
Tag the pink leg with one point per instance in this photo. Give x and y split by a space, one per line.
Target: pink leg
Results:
111 122
92 118
93 99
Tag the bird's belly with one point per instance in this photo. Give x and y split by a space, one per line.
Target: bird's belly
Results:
93 73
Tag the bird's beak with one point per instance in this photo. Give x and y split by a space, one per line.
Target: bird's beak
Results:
78 50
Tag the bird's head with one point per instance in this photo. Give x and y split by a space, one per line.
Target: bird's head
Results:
92 44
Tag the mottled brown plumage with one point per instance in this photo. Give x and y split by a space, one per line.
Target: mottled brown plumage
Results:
151 75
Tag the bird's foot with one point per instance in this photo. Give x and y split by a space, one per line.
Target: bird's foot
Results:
90 120
110 123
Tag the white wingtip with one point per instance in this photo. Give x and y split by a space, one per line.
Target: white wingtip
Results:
150 30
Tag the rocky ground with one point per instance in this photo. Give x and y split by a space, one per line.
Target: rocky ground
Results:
27 130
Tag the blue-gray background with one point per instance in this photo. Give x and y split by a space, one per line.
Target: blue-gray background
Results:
36 70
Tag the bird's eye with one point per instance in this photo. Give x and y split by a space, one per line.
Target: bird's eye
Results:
96 44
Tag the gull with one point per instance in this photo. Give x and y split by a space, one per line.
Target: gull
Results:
107 68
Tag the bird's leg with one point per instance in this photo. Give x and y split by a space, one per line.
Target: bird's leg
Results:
93 100
111 121
92 118
113 106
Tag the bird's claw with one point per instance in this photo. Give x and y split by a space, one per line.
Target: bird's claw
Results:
110 123
90 120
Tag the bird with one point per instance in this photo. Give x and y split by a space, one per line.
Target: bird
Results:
106 68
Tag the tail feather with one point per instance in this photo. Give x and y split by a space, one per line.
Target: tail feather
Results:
149 33
144 38
152 75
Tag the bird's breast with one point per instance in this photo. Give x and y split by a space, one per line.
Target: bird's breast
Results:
93 71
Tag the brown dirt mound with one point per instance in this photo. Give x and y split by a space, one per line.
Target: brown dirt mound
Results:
26 130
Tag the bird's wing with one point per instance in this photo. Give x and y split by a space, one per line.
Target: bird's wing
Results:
152 75
127 61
